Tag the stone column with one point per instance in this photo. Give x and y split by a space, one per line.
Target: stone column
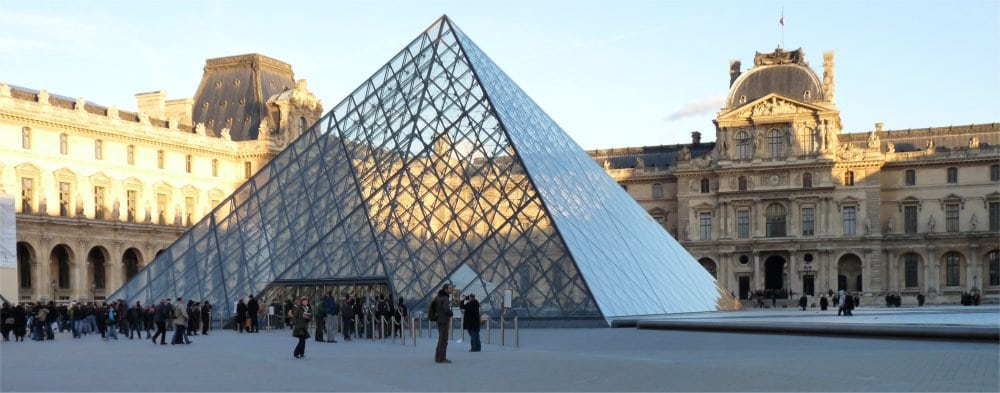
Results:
43 288
793 275
80 286
866 271
974 269
930 271
893 284
756 270
115 279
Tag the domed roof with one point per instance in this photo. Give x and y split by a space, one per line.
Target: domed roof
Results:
784 73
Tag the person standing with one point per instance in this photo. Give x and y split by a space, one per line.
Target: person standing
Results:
401 314
206 317
180 322
300 326
331 309
470 321
112 322
252 308
160 317
803 302
241 315
7 318
346 317
841 300
823 303
442 306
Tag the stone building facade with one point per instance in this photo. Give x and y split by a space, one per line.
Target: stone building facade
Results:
99 192
785 200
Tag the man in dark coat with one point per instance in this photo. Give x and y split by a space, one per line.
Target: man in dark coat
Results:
241 315
803 302
470 321
206 317
160 318
347 317
442 304
252 308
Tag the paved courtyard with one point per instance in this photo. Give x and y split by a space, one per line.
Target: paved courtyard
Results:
624 359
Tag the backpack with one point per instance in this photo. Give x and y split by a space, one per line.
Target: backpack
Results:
432 311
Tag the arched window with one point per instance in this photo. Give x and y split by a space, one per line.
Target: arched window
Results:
993 261
709 266
61 257
744 146
657 190
775 144
911 270
705 186
775 216
953 269
131 261
96 259
24 265
742 183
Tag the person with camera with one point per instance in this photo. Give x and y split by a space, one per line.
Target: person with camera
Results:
300 322
470 320
442 314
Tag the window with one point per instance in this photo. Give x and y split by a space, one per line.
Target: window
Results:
775 216
130 204
657 190
807 180
25 137
248 169
744 146
849 178
994 172
911 177
98 149
99 194
705 224
775 143
159 159
27 195
24 265
995 216
161 208
215 168
952 175
64 199
951 217
743 224
850 220
188 163
742 183
704 186
188 211
808 221
130 155
911 269
302 125
952 269
910 219
993 261
63 144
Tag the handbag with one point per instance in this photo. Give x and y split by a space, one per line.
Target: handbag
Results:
247 324
301 332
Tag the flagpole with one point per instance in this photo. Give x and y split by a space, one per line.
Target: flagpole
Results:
782 20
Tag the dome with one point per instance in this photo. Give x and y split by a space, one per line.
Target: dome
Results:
794 80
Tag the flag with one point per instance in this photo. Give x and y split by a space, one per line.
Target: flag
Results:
782 20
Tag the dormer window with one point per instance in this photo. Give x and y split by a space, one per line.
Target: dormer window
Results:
743 99
807 94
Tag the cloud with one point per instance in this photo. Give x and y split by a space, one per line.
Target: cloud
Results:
698 107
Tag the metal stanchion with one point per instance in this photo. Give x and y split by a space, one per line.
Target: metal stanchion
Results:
489 333
356 328
517 335
451 328
382 328
413 330
461 321
501 330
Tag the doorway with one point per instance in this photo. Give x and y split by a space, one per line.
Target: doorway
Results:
774 273
744 287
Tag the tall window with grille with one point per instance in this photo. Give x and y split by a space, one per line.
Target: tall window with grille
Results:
993 261
188 211
743 224
744 146
130 155
742 183
911 177
910 219
99 195
131 202
776 143
705 186
64 199
27 195
994 216
807 180
911 270
849 178
952 175
994 172
159 159
952 269
850 220
775 216
63 144
247 169
98 149
25 137
215 167
657 190
705 225
951 217
808 221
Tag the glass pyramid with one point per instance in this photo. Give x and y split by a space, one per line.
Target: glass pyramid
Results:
438 169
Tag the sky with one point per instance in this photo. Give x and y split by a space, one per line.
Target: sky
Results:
610 73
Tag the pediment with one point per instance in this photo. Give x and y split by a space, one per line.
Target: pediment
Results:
100 177
773 104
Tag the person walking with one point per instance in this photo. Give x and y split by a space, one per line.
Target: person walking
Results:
253 307
160 317
841 300
300 326
180 322
442 309
241 315
331 309
112 323
470 321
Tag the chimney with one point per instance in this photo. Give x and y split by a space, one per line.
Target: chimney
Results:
153 104
695 138
734 71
